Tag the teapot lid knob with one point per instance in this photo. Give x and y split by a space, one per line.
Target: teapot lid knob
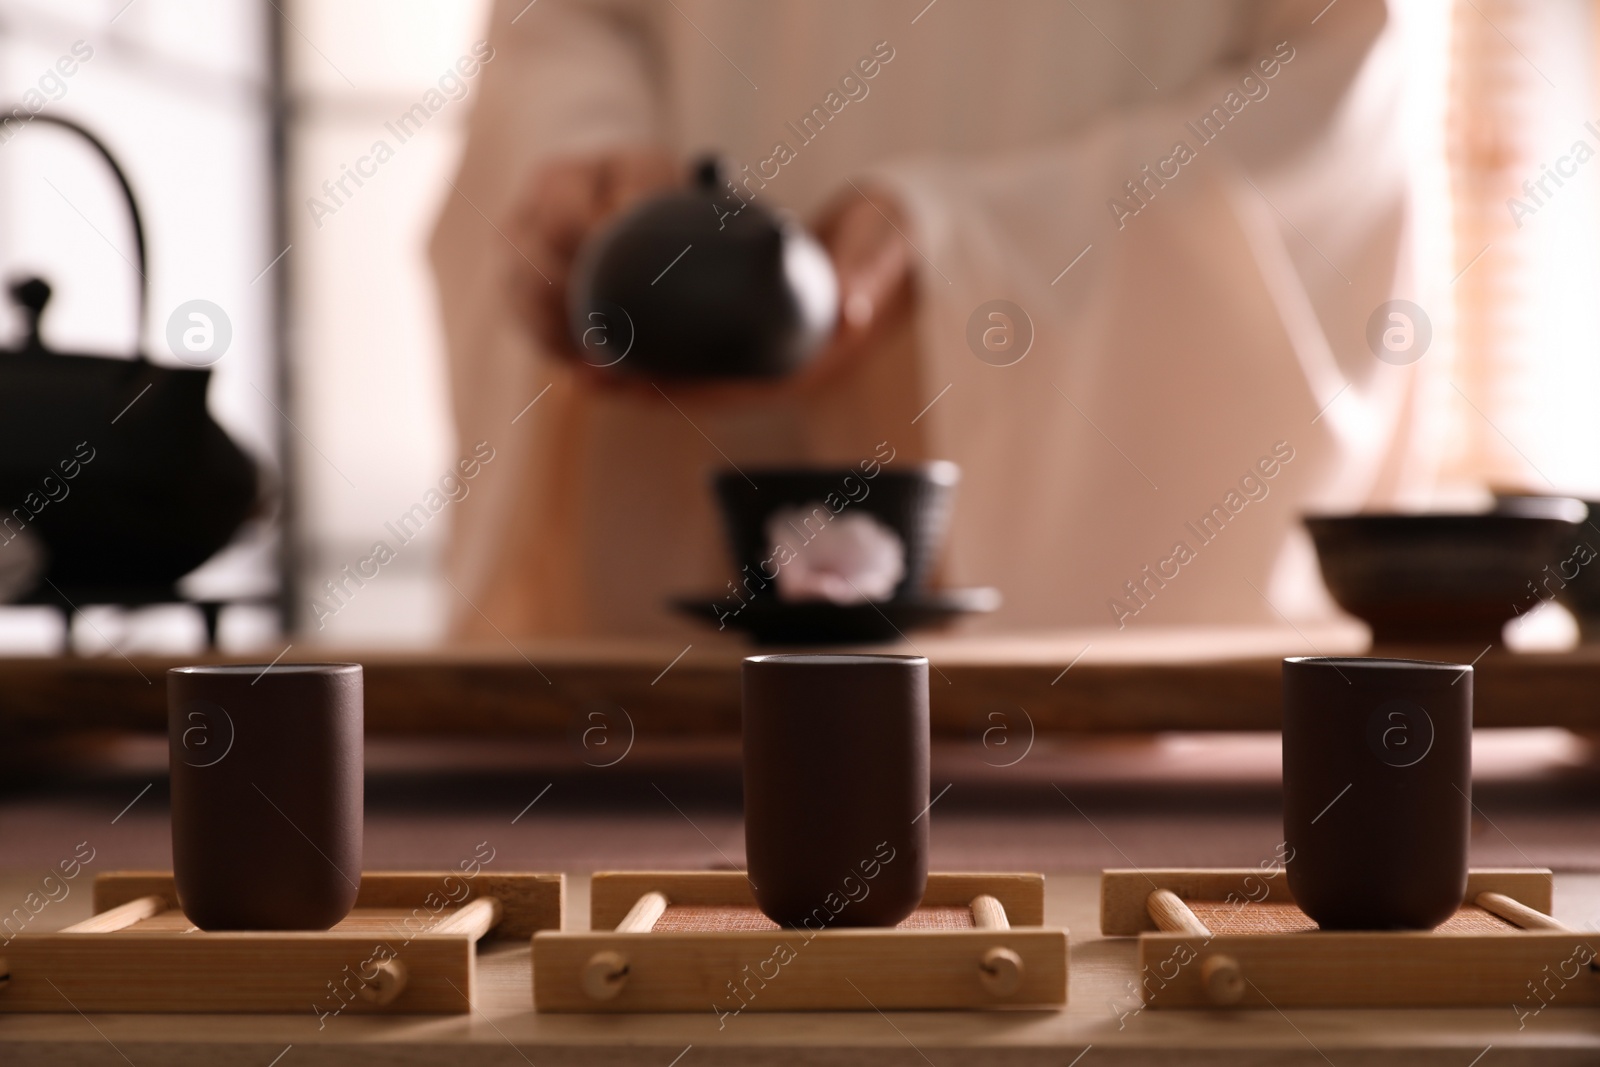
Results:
710 172
31 294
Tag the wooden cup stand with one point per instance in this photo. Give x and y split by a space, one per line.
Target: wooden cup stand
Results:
695 941
408 945
1234 938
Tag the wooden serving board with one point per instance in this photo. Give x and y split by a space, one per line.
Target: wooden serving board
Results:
408 945
696 942
1234 938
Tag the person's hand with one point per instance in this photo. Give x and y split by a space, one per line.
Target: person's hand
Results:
566 200
863 230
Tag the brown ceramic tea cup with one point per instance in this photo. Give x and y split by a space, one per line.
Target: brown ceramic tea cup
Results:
266 768
836 787
1377 784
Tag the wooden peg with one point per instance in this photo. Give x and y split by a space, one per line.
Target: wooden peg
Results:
475 918
1170 914
604 975
120 917
388 984
641 918
607 971
1223 980
988 913
1516 912
1000 971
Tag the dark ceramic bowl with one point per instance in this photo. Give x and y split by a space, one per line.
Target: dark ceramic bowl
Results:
1573 576
914 502
1446 578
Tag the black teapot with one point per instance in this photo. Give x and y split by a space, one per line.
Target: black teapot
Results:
699 284
113 474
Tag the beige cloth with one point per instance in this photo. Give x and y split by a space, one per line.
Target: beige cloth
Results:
1187 342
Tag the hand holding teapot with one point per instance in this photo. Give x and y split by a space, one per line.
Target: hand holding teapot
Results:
695 284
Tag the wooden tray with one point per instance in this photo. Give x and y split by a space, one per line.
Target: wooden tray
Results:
695 941
1234 938
409 945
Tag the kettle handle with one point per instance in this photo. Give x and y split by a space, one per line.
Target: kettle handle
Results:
133 215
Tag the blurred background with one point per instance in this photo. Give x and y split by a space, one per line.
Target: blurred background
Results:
231 117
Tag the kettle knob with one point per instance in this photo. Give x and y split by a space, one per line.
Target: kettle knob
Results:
709 173
31 294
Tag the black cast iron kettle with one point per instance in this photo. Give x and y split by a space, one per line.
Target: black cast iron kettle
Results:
699 284
113 466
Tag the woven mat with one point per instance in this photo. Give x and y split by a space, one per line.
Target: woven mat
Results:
1226 918
689 917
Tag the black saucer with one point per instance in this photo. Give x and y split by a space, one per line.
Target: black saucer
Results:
819 622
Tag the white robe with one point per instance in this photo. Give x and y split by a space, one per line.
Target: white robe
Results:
1225 319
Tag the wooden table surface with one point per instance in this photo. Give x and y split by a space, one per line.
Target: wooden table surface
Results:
1100 1017
1067 682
